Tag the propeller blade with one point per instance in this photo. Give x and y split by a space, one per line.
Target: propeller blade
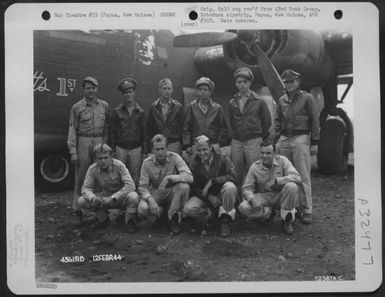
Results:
203 39
270 74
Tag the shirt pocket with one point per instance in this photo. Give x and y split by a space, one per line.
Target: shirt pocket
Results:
100 120
85 117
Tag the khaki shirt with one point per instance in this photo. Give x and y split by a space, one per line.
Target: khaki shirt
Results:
259 179
116 181
88 120
152 173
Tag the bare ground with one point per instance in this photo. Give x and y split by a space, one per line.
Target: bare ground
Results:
253 252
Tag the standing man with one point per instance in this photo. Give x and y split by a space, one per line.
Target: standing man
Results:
128 128
295 118
164 182
204 117
166 117
250 120
213 186
108 185
88 126
271 183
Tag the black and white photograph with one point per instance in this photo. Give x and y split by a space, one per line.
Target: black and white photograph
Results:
171 155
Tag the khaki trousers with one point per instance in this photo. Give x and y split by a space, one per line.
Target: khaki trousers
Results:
132 160
129 203
173 197
297 150
85 148
286 200
243 154
199 210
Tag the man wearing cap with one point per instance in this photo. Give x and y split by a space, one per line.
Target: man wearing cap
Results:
88 126
296 127
250 120
271 183
204 117
164 182
213 186
166 117
108 185
127 135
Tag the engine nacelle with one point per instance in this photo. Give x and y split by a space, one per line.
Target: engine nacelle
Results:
301 50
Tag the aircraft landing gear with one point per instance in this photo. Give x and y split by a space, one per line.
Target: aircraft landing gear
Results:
333 148
53 172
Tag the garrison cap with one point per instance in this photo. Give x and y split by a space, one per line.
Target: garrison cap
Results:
289 74
126 83
244 72
201 140
205 81
90 80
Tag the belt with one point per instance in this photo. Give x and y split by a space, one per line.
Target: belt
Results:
89 135
295 133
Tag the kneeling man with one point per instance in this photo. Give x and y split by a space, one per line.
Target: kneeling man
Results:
213 186
108 185
164 182
271 183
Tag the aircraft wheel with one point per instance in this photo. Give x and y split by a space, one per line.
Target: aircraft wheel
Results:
332 149
53 173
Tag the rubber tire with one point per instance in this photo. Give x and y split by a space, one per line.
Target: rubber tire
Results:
66 182
333 152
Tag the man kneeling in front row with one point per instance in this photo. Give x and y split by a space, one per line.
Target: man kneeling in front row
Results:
271 184
213 186
108 185
164 183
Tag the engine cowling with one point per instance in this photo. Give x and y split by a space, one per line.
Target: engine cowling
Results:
301 50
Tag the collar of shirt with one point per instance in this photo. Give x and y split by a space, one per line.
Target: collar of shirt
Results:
109 169
296 96
86 102
136 107
210 161
167 159
203 107
262 167
159 102
238 95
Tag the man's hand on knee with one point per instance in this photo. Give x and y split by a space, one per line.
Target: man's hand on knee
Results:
97 202
255 203
154 208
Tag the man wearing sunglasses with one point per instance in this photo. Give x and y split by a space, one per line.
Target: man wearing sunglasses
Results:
296 126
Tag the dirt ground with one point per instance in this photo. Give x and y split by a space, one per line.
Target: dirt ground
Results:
253 252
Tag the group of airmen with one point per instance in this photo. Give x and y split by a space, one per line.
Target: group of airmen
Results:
171 162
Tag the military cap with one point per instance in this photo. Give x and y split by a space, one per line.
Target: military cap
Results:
244 72
205 81
201 140
126 83
289 74
90 80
